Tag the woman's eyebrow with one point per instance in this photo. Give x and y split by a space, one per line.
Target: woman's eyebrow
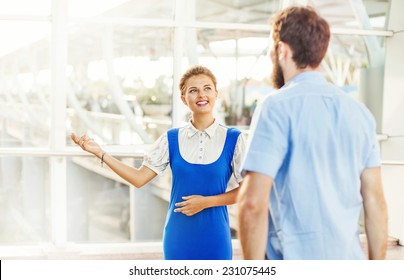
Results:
194 87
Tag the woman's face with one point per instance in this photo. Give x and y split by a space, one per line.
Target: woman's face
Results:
200 94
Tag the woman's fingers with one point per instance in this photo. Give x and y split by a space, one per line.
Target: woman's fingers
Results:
180 204
74 138
82 141
181 207
87 144
184 211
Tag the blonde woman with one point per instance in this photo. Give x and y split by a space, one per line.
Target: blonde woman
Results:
202 155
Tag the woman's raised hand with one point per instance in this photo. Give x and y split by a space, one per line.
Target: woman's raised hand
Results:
87 144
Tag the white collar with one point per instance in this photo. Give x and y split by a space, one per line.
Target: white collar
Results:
210 131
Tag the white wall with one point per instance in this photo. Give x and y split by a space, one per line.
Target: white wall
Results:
393 122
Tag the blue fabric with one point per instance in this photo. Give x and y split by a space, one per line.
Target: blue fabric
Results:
205 235
315 141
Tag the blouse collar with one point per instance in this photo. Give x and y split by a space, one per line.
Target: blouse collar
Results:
210 131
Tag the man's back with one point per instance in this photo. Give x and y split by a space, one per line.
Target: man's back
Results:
312 157
317 142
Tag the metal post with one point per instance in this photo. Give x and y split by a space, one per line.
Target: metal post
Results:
58 121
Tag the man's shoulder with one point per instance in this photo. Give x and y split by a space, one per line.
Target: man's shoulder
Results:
284 94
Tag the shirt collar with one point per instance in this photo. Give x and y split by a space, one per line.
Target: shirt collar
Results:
210 131
310 76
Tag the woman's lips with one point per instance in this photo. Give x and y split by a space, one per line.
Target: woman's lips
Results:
202 103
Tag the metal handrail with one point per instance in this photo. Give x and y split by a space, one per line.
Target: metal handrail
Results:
136 151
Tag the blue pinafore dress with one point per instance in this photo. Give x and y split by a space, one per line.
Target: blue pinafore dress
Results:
205 235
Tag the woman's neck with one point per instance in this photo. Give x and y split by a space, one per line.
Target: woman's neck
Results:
202 123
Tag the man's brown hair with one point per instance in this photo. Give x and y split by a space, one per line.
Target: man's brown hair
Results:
305 31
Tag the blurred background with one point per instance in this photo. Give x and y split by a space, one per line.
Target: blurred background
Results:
111 68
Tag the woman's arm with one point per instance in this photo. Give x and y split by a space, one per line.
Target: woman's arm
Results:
196 203
137 177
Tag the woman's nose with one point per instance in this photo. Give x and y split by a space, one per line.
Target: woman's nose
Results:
201 93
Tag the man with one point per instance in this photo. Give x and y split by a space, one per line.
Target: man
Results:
313 158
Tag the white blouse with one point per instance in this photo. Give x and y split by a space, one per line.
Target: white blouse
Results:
201 147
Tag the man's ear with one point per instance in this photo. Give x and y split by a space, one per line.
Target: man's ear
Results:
283 50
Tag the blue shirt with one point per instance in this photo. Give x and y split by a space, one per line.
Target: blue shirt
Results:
314 141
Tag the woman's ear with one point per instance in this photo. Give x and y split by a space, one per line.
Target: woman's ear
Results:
183 100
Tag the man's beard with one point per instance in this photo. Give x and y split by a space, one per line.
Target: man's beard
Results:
278 79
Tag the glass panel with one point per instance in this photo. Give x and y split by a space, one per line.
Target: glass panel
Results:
158 9
377 11
95 203
366 14
100 208
120 82
25 7
252 11
25 83
24 199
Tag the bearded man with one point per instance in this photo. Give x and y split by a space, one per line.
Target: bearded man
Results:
312 160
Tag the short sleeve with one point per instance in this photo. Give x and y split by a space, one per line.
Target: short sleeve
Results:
238 157
373 156
268 139
157 158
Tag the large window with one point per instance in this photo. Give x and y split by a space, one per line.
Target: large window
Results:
111 69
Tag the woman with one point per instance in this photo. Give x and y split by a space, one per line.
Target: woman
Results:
202 155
